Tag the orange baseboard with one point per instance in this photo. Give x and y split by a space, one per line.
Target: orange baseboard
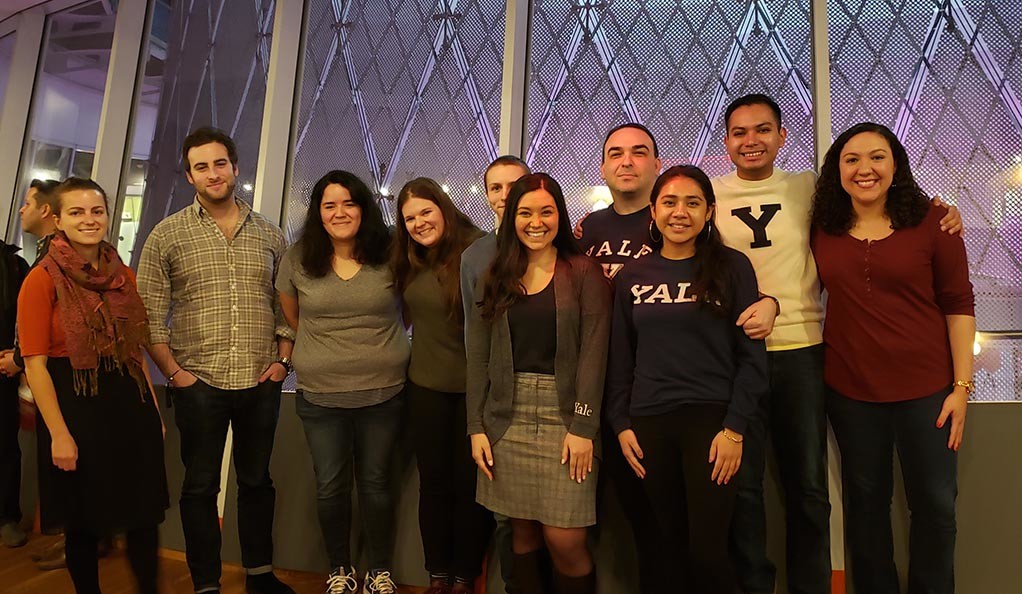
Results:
837 582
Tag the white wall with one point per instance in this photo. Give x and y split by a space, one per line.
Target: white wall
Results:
68 114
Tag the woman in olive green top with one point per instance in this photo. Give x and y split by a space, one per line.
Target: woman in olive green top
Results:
430 236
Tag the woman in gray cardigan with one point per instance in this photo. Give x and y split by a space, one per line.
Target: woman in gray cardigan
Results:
537 350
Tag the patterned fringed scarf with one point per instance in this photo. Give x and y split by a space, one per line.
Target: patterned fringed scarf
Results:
101 313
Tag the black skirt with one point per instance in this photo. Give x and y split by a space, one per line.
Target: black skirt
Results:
120 482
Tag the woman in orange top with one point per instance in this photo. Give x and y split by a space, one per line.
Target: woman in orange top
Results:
82 328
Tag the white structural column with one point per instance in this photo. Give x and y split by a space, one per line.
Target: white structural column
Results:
515 79
821 79
123 84
823 138
15 114
278 111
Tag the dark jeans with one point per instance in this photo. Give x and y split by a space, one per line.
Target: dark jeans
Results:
693 512
793 416
81 551
616 474
366 438
10 452
203 414
455 529
867 435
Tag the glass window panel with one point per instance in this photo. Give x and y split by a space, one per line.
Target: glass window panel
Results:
946 77
144 130
597 65
207 65
6 53
68 97
395 90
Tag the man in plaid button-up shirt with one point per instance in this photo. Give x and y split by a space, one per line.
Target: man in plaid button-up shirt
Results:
208 270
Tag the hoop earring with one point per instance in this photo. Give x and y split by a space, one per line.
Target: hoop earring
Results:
655 240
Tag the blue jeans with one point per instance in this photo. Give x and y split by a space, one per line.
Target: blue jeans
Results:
202 415
794 416
867 435
364 437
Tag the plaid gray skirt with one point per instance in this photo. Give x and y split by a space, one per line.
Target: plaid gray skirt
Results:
529 481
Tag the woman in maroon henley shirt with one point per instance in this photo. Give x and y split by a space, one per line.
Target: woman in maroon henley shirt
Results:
898 343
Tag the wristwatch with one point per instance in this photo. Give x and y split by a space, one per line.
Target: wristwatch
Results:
286 362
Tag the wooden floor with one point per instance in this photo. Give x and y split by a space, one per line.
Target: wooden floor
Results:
19 575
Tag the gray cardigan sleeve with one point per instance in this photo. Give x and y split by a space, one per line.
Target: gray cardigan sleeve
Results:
477 354
594 335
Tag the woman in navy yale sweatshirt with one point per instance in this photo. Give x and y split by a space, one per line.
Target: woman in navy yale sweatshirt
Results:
683 380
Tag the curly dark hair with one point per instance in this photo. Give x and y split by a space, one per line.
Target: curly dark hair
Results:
408 257
502 284
906 203
372 240
711 267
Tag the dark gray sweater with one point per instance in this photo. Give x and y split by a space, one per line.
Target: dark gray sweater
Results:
583 301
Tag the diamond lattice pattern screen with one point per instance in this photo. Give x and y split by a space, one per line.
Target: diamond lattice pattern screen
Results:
396 89
216 70
946 75
674 66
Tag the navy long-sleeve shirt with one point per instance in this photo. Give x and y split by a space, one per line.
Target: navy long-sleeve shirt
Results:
666 350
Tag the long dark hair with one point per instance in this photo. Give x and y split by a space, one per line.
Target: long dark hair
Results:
906 203
408 257
372 240
712 286
502 285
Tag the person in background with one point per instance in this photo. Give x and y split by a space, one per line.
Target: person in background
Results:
498 178
206 276
536 349
38 218
351 358
683 378
898 356
83 329
13 269
430 237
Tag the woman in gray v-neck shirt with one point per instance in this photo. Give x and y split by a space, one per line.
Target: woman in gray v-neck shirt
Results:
351 358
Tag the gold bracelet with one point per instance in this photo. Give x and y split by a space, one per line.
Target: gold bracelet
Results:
969 385
731 438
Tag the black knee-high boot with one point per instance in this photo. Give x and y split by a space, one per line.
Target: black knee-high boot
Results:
528 576
142 554
583 584
82 561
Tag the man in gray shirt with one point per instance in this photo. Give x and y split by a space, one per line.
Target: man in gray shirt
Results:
498 178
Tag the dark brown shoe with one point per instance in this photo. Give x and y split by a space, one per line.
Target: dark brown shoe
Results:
52 561
463 588
50 550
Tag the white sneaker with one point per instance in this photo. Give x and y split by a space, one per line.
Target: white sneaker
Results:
379 584
339 582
